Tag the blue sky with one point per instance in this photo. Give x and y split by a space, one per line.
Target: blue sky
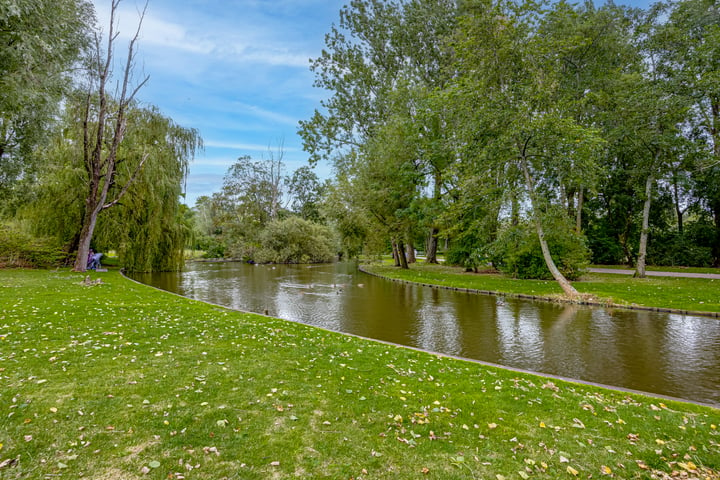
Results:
236 70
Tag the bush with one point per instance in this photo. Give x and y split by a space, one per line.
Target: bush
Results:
295 240
18 249
673 249
517 251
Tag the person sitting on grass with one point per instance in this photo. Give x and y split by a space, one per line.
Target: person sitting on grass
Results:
93 260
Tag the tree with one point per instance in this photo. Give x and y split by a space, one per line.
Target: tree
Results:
380 65
653 114
104 121
524 127
40 41
691 62
146 228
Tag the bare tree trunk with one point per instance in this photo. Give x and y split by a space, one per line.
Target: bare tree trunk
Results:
578 213
676 199
432 246
411 252
100 152
557 275
642 251
401 254
396 255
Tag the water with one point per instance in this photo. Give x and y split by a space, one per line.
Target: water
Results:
667 354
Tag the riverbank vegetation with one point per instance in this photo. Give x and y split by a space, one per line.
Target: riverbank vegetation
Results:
111 379
83 163
686 294
535 137
499 125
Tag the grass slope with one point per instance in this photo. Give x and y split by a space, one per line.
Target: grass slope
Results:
691 294
119 381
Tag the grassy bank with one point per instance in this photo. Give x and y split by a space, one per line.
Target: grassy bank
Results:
692 294
117 380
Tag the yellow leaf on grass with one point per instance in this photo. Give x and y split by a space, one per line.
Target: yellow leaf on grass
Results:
606 470
542 424
572 471
492 426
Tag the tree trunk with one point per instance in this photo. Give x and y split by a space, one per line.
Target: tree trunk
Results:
676 198
396 256
578 213
557 275
642 251
401 254
716 245
432 246
411 252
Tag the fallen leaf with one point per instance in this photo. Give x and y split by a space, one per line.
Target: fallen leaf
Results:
154 464
572 471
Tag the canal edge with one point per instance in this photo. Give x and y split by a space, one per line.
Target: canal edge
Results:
576 381
541 298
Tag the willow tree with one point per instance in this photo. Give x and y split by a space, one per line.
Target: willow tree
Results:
147 227
104 124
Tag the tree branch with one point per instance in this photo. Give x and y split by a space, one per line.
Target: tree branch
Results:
127 185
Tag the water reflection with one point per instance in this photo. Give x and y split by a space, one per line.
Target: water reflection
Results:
668 354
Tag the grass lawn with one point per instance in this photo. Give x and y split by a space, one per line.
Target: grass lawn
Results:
120 381
692 294
652 268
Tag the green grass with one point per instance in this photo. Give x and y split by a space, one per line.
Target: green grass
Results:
121 381
690 294
652 268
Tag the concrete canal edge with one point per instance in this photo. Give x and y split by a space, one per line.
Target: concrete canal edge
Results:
576 381
546 299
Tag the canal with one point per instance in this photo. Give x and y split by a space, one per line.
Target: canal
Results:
662 353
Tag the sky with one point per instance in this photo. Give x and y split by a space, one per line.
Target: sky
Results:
235 70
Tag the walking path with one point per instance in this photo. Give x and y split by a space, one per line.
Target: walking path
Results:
713 276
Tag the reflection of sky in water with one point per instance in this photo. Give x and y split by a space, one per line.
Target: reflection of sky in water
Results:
437 328
662 353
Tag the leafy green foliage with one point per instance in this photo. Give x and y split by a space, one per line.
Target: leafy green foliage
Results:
517 251
40 40
19 249
295 240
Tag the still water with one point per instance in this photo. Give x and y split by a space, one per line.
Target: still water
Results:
668 354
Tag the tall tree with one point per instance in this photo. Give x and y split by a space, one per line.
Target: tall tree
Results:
40 40
655 113
511 78
146 226
691 62
104 121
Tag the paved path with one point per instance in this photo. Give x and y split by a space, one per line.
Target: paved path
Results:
713 276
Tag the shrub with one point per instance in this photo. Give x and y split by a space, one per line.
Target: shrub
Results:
295 240
517 251
18 249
